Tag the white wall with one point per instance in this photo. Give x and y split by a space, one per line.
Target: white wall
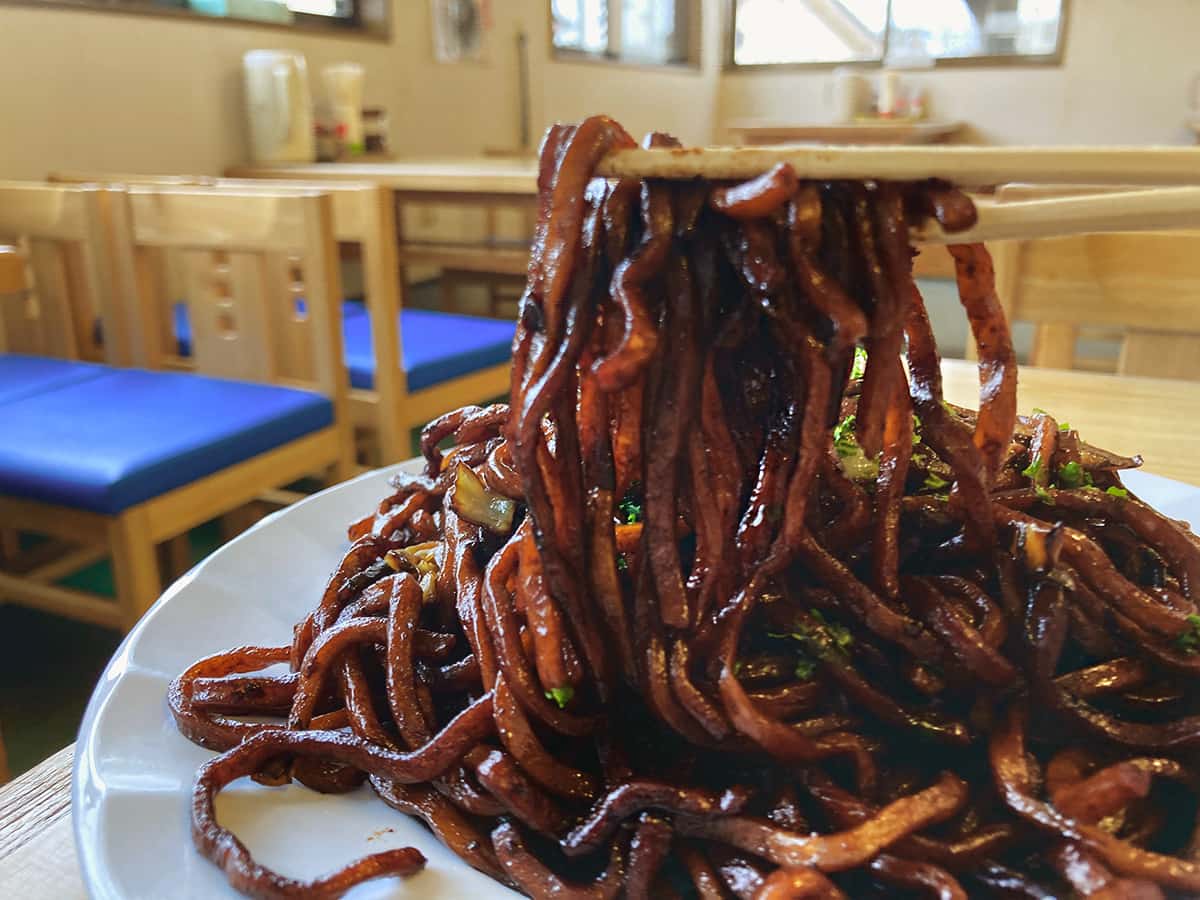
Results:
94 90
106 91
1126 78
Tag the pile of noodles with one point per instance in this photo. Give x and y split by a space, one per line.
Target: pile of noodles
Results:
705 610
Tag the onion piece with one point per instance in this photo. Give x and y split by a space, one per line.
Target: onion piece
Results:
478 505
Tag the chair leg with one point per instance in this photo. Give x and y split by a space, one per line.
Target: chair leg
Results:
10 544
178 555
135 565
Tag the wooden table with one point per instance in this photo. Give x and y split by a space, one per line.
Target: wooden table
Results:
1151 416
763 132
1159 418
487 183
37 848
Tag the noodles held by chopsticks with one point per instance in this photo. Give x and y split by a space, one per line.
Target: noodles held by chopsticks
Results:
712 608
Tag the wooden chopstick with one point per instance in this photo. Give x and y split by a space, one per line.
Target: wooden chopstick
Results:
1162 209
965 166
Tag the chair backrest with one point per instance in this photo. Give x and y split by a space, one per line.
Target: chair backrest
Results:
260 275
1141 290
363 214
12 271
67 275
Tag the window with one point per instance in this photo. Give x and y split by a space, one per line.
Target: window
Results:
363 16
898 32
656 32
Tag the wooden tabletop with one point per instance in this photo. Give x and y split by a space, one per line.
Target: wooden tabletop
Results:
37 848
482 175
1155 417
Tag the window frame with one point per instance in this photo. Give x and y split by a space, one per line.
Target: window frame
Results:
729 65
370 20
693 23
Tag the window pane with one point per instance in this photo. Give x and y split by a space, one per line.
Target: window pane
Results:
580 25
803 31
941 29
648 31
315 7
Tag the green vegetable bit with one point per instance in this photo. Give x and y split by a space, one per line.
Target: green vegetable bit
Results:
1031 471
561 695
1064 426
1040 411
622 563
630 508
805 668
1073 475
1044 495
935 482
1117 492
860 363
843 437
839 635
1189 641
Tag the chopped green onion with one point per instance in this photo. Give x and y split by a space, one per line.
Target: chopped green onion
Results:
630 507
1073 475
1189 641
934 482
1032 470
622 563
805 668
1117 492
1044 495
1064 426
1040 411
561 695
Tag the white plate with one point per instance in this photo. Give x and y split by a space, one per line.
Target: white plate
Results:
134 771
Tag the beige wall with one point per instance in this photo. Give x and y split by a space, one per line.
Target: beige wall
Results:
90 90
1126 78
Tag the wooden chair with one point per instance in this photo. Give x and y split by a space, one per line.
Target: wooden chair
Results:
406 366
1140 290
12 270
130 458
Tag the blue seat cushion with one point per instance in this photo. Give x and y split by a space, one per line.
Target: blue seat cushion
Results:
127 435
23 376
183 327
438 346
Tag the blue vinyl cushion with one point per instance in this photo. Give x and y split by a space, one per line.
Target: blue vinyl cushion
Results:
438 346
126 435
22 376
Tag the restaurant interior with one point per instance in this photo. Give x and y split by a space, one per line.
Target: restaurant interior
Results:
248 248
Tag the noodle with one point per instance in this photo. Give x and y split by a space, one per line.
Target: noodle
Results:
708 610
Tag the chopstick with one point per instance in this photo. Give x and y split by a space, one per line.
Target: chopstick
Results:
965 166
1147 210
